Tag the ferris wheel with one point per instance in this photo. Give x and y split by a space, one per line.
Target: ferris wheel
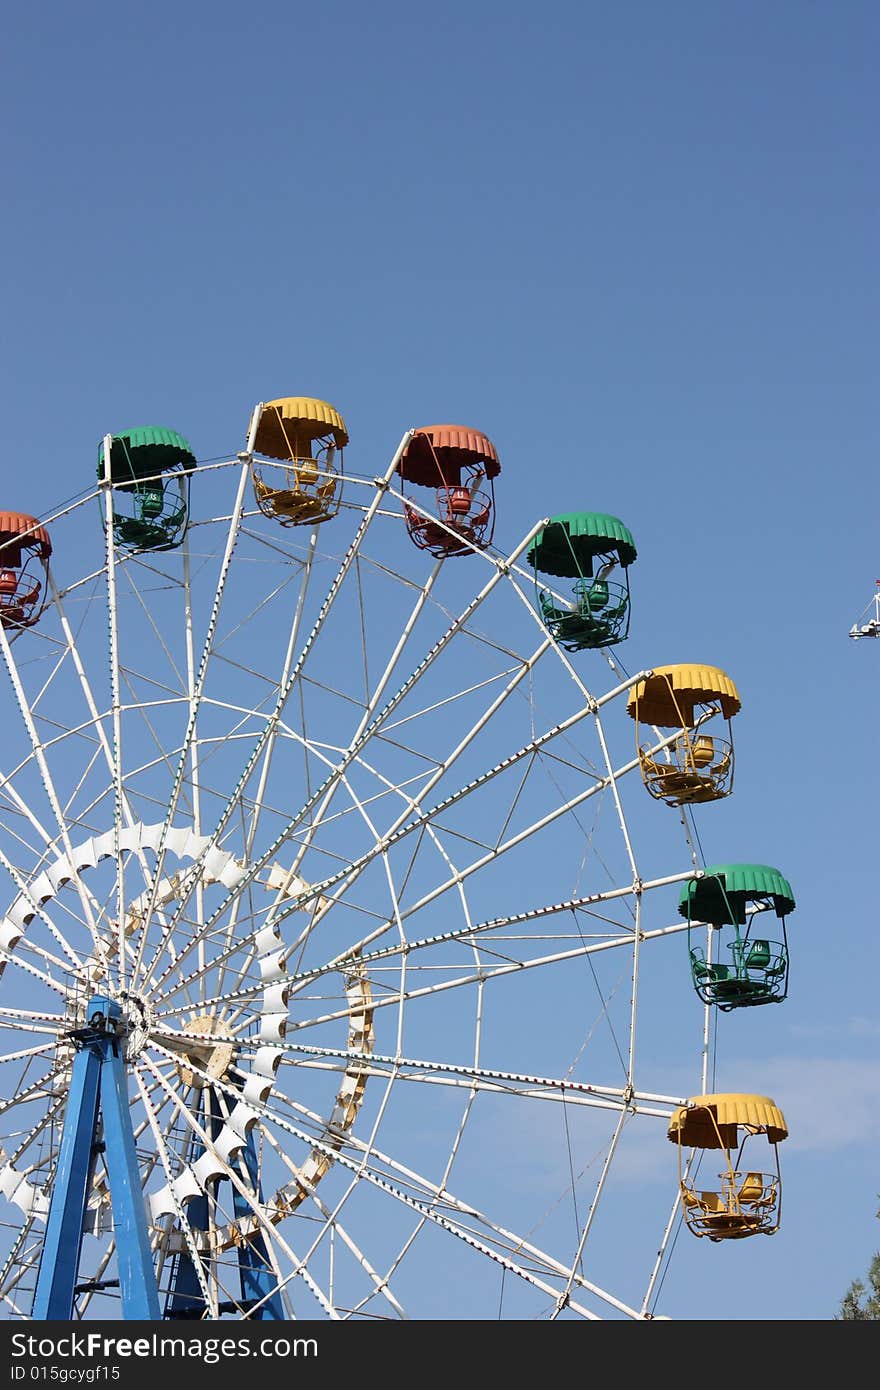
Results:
868 624
342 921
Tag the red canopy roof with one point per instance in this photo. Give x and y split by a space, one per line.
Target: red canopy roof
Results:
26 529
436 454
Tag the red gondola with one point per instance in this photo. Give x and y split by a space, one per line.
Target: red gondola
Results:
24 556
460 466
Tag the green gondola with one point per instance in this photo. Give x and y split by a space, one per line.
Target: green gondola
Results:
754 969
586 547
150 471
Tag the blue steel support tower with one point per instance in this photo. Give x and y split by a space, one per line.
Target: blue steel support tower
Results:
98 1122
97 1105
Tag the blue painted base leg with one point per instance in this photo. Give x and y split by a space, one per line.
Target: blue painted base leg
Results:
258 1280
97 1085
137 1277
59 1263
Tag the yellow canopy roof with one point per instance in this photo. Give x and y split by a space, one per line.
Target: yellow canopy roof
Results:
711 1122
288 426
667 697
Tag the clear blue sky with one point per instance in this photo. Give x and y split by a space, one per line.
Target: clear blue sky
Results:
637 245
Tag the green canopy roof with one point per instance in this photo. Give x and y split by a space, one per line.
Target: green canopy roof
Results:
722 895
142 453
569 543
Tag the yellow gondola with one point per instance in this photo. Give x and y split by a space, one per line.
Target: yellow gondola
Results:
747 1199
297 481
695 700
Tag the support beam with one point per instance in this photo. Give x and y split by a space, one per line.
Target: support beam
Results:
258 1280
59 1262
137 1276
259 1283
97 1119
